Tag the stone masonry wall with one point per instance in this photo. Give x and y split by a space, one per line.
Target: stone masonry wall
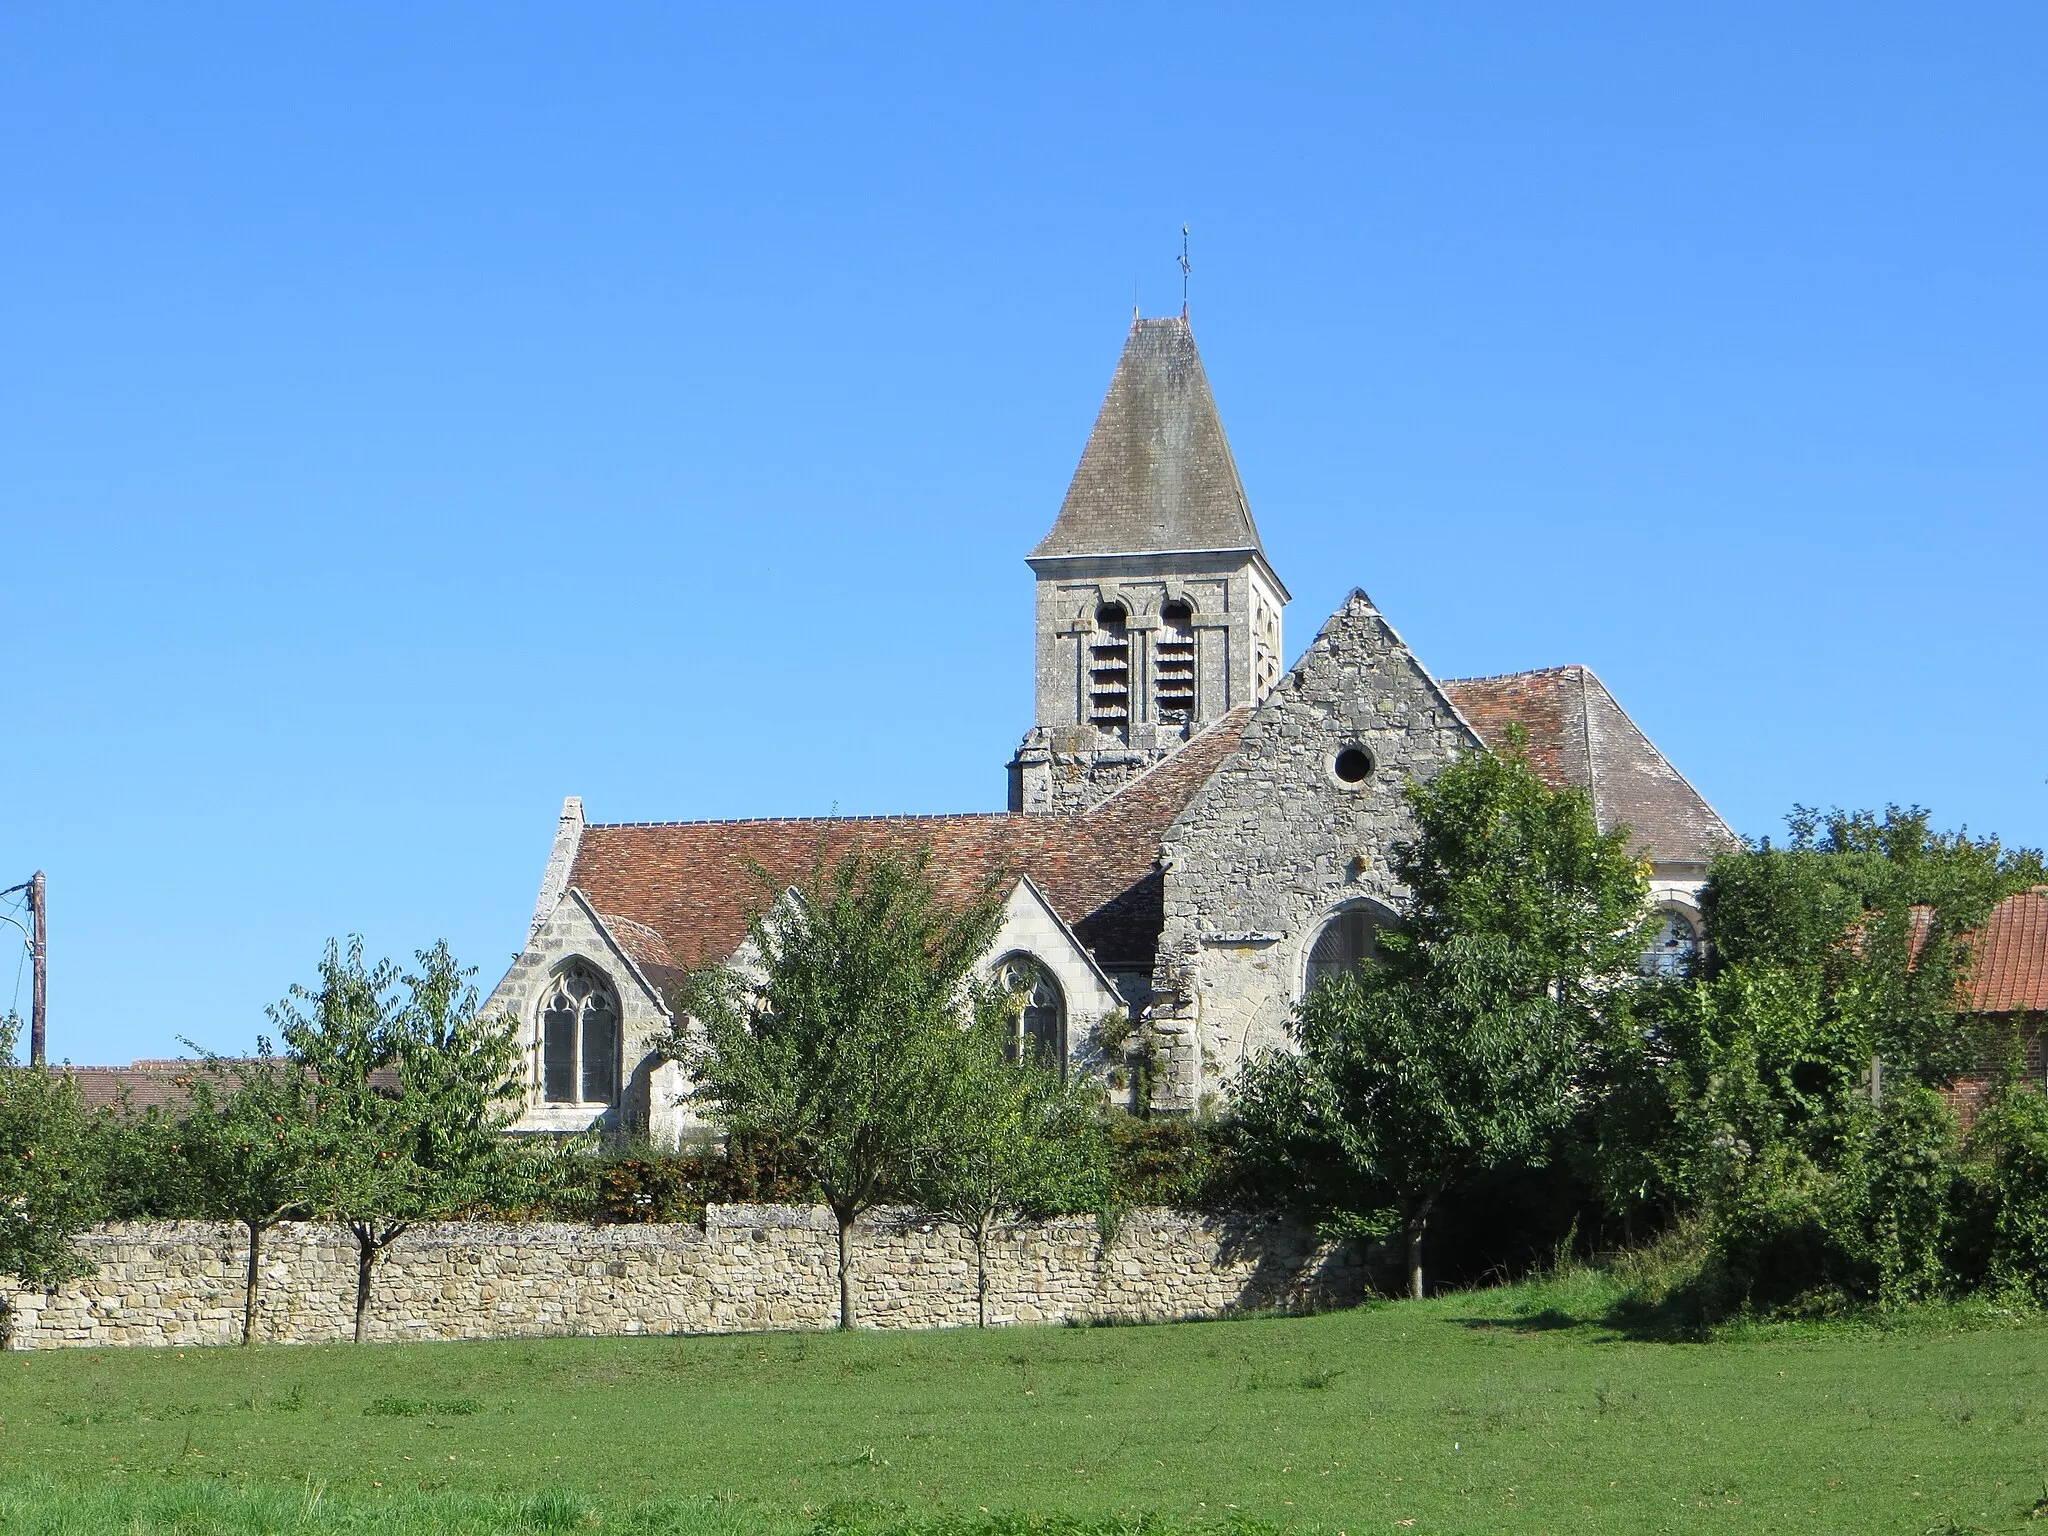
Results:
747 1268
1275 843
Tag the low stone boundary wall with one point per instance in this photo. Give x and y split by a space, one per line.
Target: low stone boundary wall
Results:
749 1267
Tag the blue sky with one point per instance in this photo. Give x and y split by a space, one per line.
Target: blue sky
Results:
412 414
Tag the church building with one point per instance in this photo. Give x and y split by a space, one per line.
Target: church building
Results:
1196 832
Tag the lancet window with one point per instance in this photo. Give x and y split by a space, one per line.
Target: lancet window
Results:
579 1027
1039 1029
1675 949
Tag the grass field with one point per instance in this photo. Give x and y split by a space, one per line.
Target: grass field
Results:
1488 1411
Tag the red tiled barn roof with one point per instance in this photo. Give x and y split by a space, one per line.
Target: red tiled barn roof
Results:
2011 970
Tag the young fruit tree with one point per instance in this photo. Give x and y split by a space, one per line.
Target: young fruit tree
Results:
249 1146
50 1188
408 1094
836 1033
1455 1049
1012 1139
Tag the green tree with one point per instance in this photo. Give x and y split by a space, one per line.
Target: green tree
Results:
1801 1072
251 1144
836 1036
1457 1050
1013 1139
50 1183
409 1094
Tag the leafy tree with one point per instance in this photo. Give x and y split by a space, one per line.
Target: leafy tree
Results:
458 1072
1878 911
343 1034
1798 1075
408 1097
1457 1049
50 1185
1012 1139
251 1145
837 1036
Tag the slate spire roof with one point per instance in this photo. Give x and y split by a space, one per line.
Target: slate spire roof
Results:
1157 475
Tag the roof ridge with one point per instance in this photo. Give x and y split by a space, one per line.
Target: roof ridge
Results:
776 821
1502 677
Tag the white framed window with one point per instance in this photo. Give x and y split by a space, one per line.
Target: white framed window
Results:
579 1037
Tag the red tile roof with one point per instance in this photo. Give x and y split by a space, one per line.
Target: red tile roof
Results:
1579 735
138 1086
2011 970
690 886
165 1083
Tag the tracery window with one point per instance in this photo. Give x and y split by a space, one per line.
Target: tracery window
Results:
1173 666
1675 949
1346 942
1040 1026
1109 671
579 1028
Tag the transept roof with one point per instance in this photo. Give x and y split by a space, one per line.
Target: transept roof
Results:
1579 735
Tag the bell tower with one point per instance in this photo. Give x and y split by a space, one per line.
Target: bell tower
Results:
1157 609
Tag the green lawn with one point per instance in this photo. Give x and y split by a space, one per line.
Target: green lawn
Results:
1489 1411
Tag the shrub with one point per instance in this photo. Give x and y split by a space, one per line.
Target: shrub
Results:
2013 1133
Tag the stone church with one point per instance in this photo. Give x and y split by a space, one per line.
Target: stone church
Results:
1196 831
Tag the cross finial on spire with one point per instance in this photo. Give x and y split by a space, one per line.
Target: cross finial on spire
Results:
1185 268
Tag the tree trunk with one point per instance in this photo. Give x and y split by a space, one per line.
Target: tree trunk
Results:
249 1285
1412 1231
845 1271
366 1259
981 1273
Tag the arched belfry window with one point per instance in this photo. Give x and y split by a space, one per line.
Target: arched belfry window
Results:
1109 671
1173 666
1039 1029
579 1038
1346 941
1675 948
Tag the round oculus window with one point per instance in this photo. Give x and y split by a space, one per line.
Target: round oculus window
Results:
1353 765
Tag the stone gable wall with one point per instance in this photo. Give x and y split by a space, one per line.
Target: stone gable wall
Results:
747 1268
1274 843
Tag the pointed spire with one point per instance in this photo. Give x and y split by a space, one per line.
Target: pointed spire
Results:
1157 476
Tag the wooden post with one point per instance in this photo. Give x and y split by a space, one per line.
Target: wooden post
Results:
39 1005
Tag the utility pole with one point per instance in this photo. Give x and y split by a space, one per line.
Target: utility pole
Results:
39 949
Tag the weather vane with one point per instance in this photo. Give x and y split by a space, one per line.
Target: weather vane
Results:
1185 268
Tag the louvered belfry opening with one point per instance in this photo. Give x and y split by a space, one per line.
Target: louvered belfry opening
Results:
1109 671
1173 668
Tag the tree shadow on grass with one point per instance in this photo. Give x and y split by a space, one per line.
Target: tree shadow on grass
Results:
1677 1319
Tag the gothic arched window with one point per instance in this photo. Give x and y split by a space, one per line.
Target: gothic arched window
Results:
1173 666
579 1038
1109 671
1040 1027
1675 948
1345 942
